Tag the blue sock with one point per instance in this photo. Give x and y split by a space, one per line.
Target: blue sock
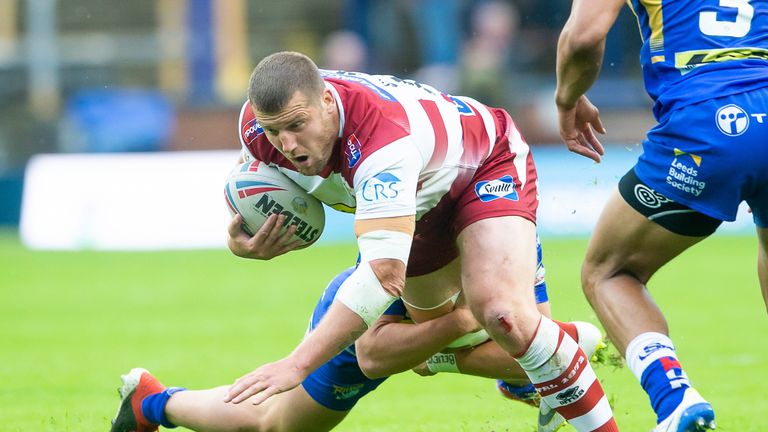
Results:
153 406
652 358
524 392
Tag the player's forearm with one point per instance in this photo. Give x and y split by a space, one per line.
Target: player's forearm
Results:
581 46
391 348
338 329
491 361
578 65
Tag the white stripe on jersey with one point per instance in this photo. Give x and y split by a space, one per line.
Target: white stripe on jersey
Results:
518 146
488 121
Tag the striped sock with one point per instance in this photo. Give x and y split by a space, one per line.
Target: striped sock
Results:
653 360
561 373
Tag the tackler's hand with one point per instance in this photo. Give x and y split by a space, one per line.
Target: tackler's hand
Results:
265 382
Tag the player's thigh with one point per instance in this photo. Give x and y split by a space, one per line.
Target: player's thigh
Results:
429 296
627 242
498 260
296 411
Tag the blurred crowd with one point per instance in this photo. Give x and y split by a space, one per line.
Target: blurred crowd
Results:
87 75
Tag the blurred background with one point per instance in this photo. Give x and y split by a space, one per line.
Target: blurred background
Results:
105 77
119 124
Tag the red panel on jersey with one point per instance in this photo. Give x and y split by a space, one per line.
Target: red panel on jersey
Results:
375 122
441 135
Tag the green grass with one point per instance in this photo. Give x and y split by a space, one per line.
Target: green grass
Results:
71 323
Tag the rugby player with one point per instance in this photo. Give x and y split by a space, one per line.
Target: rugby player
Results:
444 193
705 65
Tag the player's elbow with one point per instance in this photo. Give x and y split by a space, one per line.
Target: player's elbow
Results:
582 41
371 366
391 275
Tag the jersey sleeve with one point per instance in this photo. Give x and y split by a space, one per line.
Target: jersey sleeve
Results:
385 183
248 130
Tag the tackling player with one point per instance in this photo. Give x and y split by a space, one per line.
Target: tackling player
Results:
328 394
705 65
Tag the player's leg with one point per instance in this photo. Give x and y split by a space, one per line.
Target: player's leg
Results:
293 410
762 262
148 404
432 295
625 250
498 264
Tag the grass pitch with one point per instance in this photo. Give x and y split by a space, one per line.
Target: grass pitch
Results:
71 323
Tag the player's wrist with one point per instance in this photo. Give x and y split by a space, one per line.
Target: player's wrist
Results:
563 102
301 367
443 362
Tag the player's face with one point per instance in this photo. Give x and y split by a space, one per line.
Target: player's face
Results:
305 131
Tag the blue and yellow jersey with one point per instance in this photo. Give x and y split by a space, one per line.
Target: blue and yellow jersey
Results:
695 50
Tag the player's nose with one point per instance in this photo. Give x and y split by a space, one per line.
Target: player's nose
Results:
288 142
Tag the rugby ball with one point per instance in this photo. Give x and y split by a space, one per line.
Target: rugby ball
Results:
256 190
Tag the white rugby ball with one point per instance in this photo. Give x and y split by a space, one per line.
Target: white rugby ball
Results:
256 190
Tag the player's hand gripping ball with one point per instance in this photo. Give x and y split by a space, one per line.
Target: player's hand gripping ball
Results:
256 190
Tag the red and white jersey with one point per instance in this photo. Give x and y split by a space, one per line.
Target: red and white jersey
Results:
402 148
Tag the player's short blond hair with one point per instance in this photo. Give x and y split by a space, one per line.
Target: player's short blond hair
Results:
278 76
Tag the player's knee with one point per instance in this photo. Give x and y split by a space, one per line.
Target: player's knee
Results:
370 367
506 319
589 279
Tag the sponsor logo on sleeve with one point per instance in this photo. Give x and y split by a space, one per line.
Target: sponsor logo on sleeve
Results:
501 188
384 186
352 151
251 130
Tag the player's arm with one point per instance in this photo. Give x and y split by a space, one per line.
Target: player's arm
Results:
384 245
377 281
485 360
580 52
391 346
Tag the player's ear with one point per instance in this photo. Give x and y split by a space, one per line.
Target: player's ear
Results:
329 103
